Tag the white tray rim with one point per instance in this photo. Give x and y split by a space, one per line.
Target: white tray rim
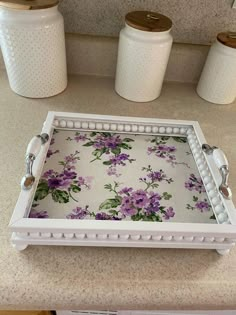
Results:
33 231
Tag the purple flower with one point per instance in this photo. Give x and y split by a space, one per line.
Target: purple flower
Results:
157 176
108 142
166 148
164 151
105 216
112 142
127 208
172 149
48 174
79 138
112 171
194 183
71 158
125 190
52 141
150 150
202 205
49 153
153 203
78 213
65 183
38 214
54 182
69 175
189 185
119 159
169 213
140 198
85 181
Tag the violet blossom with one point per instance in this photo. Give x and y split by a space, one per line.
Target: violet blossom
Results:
169 213
202 206
195 183
78 213
38 214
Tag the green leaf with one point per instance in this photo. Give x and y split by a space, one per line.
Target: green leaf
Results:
106 134
180 139
108 186
75 188
88 144
212 217
110 203
60 196
107 163
116 151
152 218
96 152
195 198
42 191
92 134
127 140
167 196
136 217
165 138
162 209
155 185
113 212
125 146
189 207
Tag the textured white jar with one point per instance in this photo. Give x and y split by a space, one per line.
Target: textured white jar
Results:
142 60
33 48
217 83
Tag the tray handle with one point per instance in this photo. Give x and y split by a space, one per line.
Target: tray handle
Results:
223 166
32 151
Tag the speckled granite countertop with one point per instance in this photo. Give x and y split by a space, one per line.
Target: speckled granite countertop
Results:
109 278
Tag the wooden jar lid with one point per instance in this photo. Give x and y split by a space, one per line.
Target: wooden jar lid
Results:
148 21
28 4
227 39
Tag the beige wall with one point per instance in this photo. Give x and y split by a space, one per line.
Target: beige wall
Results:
195 21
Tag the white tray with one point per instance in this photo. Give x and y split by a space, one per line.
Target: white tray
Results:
122 181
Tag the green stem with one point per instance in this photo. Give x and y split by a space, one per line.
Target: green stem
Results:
96 158
72 196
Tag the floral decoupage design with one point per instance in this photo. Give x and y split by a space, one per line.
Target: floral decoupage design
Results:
110 176
199 202
126 202
110 149
161 149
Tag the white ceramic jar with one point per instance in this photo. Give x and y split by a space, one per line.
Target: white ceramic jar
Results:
32 40
144 48
217 83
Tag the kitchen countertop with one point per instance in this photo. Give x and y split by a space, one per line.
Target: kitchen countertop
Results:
50 277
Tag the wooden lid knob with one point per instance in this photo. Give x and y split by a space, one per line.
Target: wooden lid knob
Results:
28 4
227 39
148 21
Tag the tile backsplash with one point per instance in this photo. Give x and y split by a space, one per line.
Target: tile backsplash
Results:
194 21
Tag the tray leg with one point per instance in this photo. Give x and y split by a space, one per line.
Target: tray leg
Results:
223 251
20 247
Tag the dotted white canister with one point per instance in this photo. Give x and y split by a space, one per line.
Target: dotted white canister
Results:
32 40
217 83
144 48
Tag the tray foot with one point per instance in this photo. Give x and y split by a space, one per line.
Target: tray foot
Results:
223 251
20 247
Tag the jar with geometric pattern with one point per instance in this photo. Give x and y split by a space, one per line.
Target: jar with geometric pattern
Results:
32 40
